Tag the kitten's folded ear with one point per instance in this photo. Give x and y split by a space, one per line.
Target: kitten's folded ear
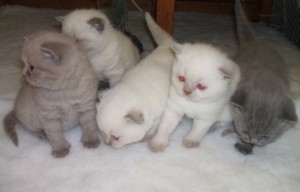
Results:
97 23
239 98
60 18
135 117
176 48
53 50
288 112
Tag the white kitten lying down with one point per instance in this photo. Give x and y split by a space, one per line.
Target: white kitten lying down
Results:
132 109
110 51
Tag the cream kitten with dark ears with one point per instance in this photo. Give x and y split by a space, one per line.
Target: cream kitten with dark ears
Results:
132 110
203 80
59 92
110 51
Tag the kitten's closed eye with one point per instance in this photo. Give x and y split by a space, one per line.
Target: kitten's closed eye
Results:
237 108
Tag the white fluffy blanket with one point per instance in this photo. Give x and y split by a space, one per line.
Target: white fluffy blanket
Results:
214 166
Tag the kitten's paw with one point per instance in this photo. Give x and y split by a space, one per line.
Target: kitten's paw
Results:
60 153
188 143
244 148
157 146
91 144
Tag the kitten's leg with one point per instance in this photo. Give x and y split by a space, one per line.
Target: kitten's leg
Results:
200 128
169 122
150 133
54 132
90 137
244 148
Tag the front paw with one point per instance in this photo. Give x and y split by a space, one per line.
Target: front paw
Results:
91 144
188 143
244 148
157 146
60 153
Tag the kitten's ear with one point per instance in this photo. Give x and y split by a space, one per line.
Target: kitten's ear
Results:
60 18
97 23
226 73
176 48
53 50
136 117
288 112
239 98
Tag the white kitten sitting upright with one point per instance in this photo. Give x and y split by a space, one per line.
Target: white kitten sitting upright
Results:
203 80
133 108
110 51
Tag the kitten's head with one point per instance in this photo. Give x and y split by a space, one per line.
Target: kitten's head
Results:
86 25
121 118
49 59
261 113
201 72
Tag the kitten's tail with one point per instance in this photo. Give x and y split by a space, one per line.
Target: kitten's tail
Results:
244 30
160 36
10 121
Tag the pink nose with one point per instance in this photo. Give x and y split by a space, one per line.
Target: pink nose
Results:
187 92
115 138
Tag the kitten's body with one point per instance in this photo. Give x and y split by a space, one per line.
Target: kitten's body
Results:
203 80
132 110
110 51
59 92
262 108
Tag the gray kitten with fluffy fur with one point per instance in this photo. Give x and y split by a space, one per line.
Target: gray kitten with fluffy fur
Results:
262 108
59 92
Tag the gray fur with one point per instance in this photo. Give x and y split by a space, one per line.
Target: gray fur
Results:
261 107
59 92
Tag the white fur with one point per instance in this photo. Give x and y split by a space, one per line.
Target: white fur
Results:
143 90
110 51
198 63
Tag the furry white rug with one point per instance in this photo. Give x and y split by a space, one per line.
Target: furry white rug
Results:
214 166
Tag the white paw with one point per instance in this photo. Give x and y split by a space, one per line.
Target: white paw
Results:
189 143
157 146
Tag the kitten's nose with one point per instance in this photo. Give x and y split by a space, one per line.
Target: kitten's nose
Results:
187 92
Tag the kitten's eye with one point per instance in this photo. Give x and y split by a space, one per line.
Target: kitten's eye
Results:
31 68
181 78
201 87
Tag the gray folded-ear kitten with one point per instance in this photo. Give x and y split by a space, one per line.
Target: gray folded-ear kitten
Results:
59 92
261 107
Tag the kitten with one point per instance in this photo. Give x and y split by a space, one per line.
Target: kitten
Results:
203 80
132 109
261 107
110 51
59 92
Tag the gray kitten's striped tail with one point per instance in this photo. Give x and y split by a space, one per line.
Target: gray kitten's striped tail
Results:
159 35
10 121
244 30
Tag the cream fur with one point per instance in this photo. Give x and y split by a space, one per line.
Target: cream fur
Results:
143 90
198 63
110 51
